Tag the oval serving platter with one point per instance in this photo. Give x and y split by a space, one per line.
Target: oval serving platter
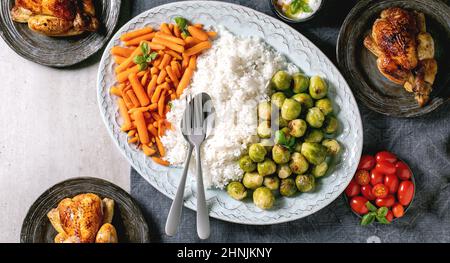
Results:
128 219
359 65
58 51
299 50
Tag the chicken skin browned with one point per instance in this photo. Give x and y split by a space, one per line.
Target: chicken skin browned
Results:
84 219
405 51
56 17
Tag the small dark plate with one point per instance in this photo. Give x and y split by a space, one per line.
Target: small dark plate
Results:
128 219
58 51
359 65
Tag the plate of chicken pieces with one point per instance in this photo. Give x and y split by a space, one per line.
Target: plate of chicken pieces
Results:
84 210
58 33
393 54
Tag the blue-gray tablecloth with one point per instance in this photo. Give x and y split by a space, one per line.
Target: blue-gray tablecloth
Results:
423 142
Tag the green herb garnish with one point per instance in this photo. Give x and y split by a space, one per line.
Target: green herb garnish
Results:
378 214
371 207
145 58
282 139
182 23
368 218
298 6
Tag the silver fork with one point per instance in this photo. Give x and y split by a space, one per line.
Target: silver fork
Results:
174 217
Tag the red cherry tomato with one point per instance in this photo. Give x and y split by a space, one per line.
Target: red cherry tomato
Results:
398 210
388 201
362 177
380 191
367 162
386 156
390 216
405 192
352 189
366 191
385 167
402 170
376 177
358 204
391 181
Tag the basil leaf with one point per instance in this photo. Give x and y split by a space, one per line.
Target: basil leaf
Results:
143 66
144 48
181 22
139 59
382 220
368 219
280 137
291 142
152 56
382 211
371 207
298 6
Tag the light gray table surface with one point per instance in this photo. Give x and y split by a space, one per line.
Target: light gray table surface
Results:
422 142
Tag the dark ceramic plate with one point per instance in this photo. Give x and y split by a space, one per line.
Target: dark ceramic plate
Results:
128 219
359 65
58 51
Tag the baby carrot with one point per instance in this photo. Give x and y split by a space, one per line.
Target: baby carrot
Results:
129 61
133 140
121 51
156 94
161 77
193 62
170 38
152 130
171 45
155 46
151 86
124 113
123 76
185 80
136 33
174 54
148 150
165 61
160 161
136 41
160 147
138 89
141 127
165 28
116 91
212 34
131 133
172 75
198 33
161 101
133 98
176 31
175 69
119 59
198 48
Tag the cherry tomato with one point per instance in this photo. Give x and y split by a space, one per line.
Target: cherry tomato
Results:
391 181
405 192
362 177
352 189
403 172
376 177
366 191
385 167
398 210
388 201
386 156
380 191
367 162
358 204
390 216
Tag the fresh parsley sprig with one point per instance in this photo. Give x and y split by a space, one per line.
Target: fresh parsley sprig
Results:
145 58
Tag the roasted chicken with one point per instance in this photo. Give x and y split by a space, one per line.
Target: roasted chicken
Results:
84 219
405 51
56 17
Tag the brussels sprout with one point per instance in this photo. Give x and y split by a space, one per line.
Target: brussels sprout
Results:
290 109
298 147
267 167
236 190
281 80
257 152
277 99
314 135
284 171
315 153
264 130
333 146
297 127
287 187
298 163
281 122
280 154
325 105
263 198
317 88
305 100
271 182
252 180
315 117
331 124
264 110
320 170
246 164
301 83
305 183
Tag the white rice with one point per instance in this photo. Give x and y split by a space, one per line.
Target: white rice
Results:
234 73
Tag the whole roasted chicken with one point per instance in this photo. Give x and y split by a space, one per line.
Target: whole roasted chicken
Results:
405 51
56 17
84 219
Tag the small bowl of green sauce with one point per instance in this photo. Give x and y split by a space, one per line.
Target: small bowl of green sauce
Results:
295 11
